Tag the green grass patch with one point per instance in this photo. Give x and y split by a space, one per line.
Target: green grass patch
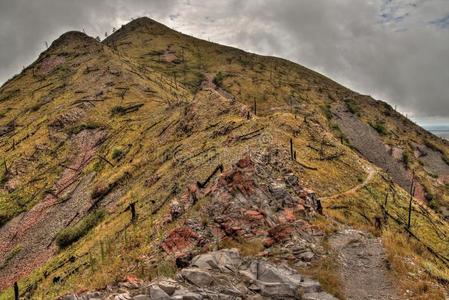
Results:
84 126
380 127
71 234
11 254
117 153
219 78
327 112
352 106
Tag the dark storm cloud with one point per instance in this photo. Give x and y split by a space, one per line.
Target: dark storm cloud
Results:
395 50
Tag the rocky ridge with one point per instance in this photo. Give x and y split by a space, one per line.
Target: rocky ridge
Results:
218 275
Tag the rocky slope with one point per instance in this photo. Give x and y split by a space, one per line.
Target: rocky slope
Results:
127 158
221 274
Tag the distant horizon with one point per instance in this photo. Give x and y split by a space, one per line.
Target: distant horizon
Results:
436 127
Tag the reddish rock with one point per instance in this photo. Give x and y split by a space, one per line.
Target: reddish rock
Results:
287 216
179 240
300 208
244 162
133 279
254 215
281 232
230 229
268 242
193 188
236 180
260 232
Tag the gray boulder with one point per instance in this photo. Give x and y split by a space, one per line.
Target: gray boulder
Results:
268 273
156 293
197 277
309 285
226 261
186 295
277 290
141 297
318 296
169 286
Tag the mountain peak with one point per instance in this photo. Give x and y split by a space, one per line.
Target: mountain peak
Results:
72 37
142 24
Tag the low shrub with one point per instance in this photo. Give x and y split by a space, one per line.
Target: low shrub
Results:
118 110
379 126
327 111
351 106
117 153
100 191
84 126
218 79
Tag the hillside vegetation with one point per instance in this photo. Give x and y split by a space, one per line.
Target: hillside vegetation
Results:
115 155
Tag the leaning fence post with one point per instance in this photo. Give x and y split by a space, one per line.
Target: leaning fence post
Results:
412 192
410 208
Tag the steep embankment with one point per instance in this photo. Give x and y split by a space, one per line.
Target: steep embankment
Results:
128 157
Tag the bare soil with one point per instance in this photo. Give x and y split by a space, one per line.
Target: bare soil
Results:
34 231
363 266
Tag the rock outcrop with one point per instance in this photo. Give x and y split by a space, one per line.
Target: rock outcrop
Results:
219 275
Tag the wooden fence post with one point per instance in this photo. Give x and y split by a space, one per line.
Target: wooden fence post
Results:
291 149
255 107
384 209
132 207
102 250
16 291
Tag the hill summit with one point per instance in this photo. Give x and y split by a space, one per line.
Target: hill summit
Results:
154 154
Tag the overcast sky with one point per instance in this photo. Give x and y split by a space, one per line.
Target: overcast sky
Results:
394 50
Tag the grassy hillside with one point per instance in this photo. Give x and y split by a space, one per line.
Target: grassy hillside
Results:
140 118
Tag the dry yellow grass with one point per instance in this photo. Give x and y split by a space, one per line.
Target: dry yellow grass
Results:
291 104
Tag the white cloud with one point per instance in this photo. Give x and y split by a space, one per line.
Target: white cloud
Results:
395 50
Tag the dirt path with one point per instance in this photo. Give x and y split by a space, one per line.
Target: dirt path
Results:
209 85
362 266
371 172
